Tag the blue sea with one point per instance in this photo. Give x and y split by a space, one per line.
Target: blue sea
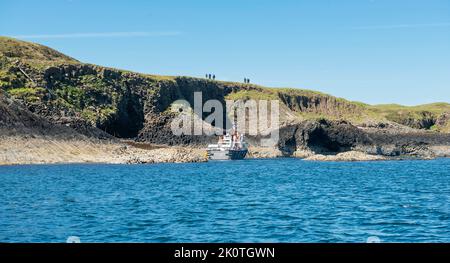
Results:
274 200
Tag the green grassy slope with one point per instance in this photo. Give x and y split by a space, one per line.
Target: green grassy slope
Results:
34 54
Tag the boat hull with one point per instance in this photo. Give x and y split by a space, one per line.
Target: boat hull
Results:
227 154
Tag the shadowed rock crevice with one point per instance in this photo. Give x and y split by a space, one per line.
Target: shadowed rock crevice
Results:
321 137
129 119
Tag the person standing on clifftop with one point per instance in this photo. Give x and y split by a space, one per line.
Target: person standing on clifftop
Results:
214 77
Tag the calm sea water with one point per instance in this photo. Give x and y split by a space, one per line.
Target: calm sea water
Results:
283 200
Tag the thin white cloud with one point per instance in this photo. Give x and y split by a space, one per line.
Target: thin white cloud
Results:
101 35
399 26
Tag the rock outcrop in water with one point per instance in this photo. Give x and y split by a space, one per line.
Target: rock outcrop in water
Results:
333 137
44 93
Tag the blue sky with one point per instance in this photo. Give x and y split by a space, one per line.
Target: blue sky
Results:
375 51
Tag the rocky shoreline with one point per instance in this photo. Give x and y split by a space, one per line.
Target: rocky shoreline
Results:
18 150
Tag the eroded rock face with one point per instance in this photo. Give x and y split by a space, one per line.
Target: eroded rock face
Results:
332 137
424 120
158 130
321 137
316 103
443 119
17 120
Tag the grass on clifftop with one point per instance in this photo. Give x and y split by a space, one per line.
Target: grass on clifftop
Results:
252 95
34 54
395 111
437 107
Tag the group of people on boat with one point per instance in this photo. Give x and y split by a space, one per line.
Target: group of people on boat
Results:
236 139
230 146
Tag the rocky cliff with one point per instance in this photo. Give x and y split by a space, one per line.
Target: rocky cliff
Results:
106 103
